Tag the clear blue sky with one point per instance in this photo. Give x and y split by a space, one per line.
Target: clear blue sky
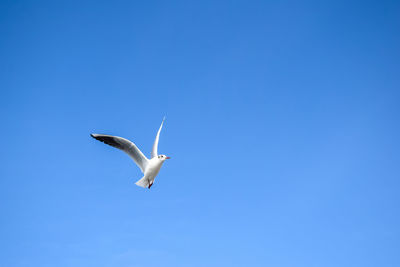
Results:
282 124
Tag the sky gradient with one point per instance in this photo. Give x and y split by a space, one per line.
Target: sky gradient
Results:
282 121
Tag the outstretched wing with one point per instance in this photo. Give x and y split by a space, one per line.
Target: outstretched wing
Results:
154 152
125 145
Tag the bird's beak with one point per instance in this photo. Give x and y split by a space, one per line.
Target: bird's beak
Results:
167 157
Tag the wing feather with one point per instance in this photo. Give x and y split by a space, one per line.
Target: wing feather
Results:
125 145
154 151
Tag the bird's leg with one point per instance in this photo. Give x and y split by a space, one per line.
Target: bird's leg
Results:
150 185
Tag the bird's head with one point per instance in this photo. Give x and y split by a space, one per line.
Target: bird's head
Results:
163 157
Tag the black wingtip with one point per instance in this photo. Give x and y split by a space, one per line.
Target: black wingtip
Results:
92 136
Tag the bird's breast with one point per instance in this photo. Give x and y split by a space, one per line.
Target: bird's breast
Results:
153 168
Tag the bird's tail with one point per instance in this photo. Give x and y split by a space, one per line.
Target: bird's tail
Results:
144 182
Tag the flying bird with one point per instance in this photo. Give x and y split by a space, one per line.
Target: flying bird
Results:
149 167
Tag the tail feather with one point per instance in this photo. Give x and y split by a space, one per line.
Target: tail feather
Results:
144 182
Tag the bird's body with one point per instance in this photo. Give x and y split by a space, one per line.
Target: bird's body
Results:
152 169
149 167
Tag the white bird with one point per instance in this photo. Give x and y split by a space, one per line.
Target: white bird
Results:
149 167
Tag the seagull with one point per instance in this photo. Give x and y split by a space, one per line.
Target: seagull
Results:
149 167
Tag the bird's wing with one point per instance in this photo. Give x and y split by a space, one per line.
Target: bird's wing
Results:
154 152
125 145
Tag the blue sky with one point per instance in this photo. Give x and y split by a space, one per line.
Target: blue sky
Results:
282 124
